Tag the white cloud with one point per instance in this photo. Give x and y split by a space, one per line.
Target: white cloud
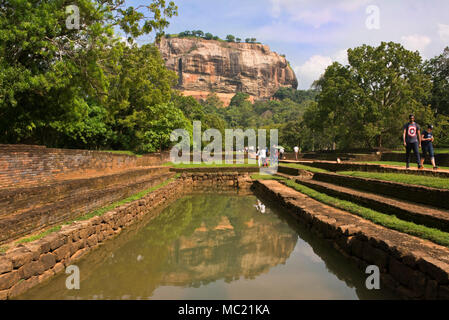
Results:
315 66
443 32
311 70
341 56
416 42
315 12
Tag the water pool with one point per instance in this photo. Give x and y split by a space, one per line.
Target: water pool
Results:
214 246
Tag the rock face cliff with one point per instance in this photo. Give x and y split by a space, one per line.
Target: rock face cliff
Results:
226 68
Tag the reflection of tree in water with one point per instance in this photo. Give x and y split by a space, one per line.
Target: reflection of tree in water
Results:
217 237
196 240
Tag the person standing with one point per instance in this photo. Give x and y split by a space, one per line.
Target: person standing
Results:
281 153
427 146
296 149
262 156
412 140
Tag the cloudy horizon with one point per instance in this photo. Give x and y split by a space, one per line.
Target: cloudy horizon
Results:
314 33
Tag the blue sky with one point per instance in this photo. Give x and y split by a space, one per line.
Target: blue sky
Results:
313 33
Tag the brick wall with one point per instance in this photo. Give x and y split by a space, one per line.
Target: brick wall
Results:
441 159
31 164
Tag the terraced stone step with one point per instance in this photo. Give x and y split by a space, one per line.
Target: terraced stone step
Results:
412 267
16 200
369 167
412 193
420 214
28 221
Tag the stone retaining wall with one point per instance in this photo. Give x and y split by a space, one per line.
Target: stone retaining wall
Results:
209 169
294 171
31 164
332 156
370 167
43 213
414 193
411 267
24 266
442 159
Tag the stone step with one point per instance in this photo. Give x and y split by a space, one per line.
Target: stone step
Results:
68 208
410 193
420 214
412 267
369 167
16 200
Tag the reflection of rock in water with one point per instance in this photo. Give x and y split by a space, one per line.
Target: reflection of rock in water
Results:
196 240
222 253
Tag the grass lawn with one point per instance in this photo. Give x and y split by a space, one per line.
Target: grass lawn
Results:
129 153
437 150
301 166
385 220
434 182
401 164
210 164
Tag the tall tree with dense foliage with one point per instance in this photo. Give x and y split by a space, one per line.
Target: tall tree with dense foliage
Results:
438 69
366 102
55 80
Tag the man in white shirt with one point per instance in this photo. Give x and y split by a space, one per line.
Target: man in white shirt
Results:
262 155
296 149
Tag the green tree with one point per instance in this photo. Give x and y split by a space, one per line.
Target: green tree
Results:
239 98
367 102
54 78
230 38
438 69
139 100
208 36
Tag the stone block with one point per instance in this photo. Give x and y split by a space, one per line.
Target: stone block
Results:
30 269
7 280
5 265
48 260
19 256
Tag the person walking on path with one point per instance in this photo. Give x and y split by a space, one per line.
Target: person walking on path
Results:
427 146
296 149
412 141
262 156
281 153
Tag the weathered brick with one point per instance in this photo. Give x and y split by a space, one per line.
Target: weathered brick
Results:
375 256
62 252
22 287
30 269
45 276
401 272
48 260
58 267
438 270
5 265
7 280
3 294
19 256
92 240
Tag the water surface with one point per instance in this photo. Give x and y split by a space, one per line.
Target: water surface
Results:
214 246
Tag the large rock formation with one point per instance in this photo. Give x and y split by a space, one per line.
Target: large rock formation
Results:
204 66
